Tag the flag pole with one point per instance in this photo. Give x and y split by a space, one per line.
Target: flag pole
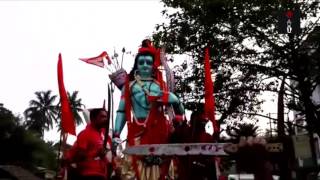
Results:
66 116
58 158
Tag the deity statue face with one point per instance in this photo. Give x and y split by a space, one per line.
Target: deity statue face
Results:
145 65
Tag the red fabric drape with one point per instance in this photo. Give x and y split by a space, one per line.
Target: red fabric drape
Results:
130 135
209 96
127 98
67 119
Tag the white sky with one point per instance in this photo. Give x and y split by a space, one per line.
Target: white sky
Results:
33 33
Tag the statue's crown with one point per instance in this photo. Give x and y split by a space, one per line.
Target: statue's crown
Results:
147 47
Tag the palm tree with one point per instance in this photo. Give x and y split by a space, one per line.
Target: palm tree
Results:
42 112
76 105
242 129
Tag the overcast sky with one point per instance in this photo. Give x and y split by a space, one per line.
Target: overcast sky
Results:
33 33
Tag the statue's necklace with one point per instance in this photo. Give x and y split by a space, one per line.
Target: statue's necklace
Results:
146 91
141 83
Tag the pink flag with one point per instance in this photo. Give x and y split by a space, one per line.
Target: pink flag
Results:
67 120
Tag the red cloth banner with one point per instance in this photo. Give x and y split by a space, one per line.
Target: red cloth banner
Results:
67 119
209 93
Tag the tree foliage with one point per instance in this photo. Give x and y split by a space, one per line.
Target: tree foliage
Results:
242 130
22 147
42 112
248 54
76 108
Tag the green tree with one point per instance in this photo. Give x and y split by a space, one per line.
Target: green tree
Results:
76 107
42 112
242 129
8 123
22 147
249 55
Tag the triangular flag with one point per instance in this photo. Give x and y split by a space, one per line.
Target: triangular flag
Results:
98 60
67 119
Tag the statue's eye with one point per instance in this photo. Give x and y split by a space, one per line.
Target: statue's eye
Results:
149 62
145 62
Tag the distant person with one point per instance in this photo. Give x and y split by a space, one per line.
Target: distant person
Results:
88 156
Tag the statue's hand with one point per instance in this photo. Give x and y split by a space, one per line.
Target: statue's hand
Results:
153 98
161 97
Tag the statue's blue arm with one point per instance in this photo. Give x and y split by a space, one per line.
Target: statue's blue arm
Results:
121 116
175 102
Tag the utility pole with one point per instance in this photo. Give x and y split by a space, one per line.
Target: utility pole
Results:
288 23
270 122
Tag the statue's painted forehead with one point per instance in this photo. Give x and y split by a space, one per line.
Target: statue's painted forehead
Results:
145 58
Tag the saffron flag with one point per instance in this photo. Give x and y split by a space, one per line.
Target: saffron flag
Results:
67 119
209 90
98 60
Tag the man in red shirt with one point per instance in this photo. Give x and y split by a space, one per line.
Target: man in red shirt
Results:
88 152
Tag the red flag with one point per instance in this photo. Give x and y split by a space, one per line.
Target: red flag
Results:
107 57
209 98
98 60
67 120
